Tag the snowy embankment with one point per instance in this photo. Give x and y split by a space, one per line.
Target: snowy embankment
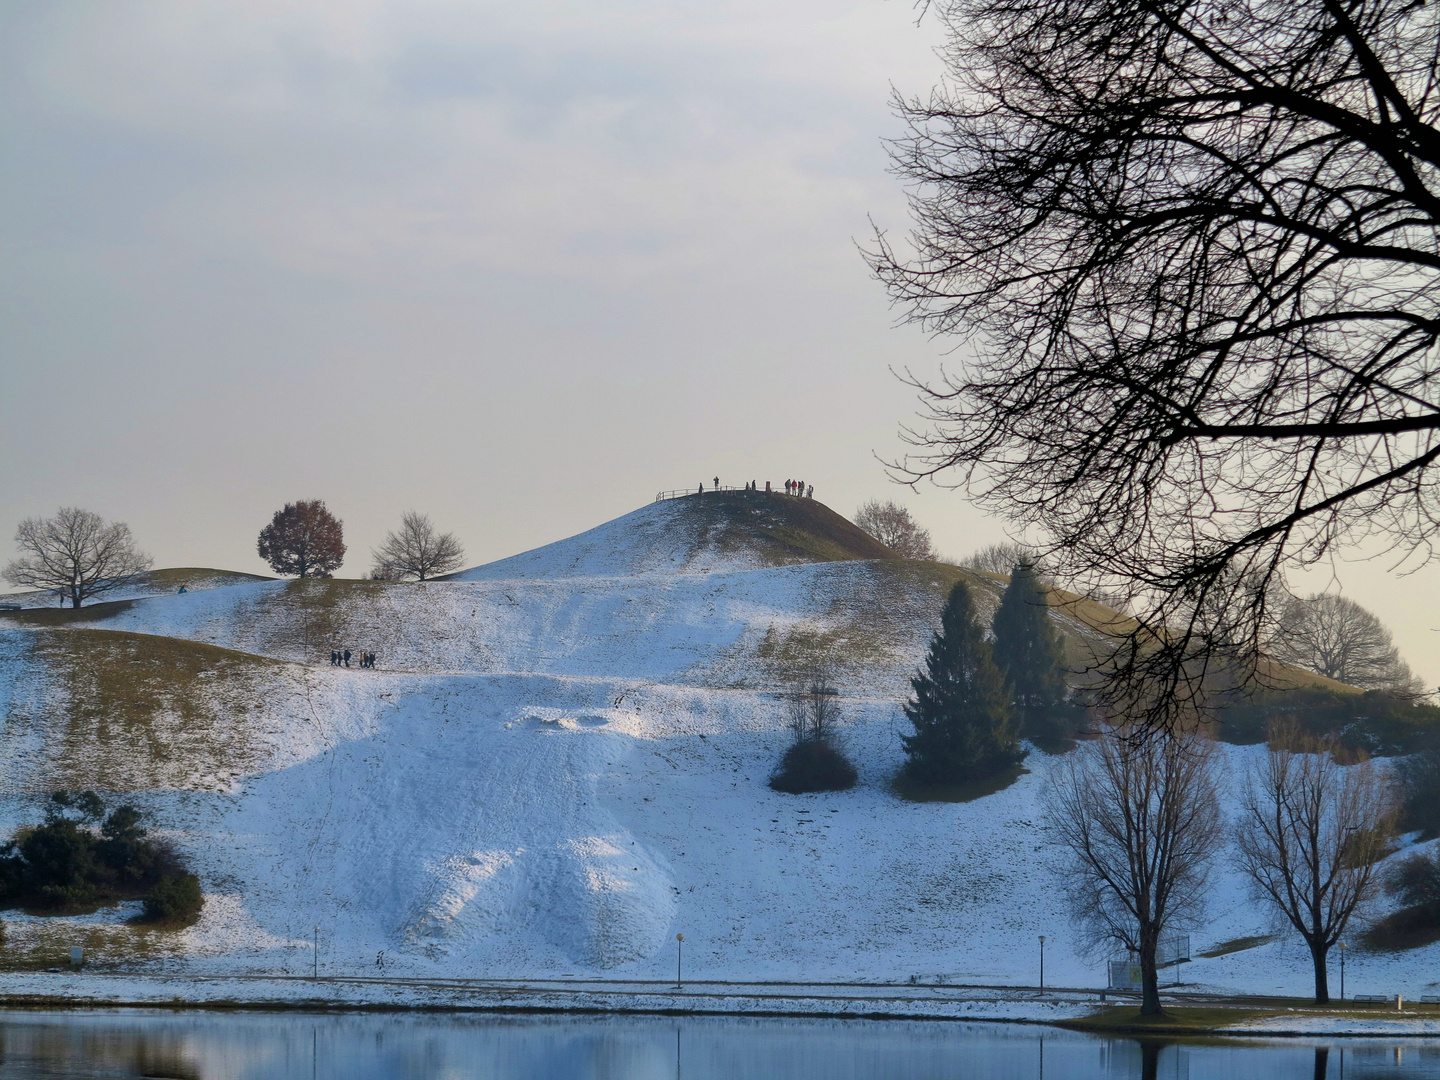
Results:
560 766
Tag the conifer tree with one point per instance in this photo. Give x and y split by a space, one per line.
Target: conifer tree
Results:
1030 654
962 723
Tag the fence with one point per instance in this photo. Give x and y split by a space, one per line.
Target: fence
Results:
680 493
1169 952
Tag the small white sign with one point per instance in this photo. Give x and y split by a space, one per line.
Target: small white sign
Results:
77 954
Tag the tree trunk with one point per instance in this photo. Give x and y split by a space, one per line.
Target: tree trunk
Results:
1149 977
1322 1062
74 600
1318 953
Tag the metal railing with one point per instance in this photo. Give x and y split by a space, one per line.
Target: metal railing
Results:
680 493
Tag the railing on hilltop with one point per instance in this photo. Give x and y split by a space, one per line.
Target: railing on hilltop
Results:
680 493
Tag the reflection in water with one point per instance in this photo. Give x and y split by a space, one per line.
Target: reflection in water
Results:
295 1046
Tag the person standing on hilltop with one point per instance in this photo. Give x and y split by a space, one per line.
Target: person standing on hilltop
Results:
810 492
767 487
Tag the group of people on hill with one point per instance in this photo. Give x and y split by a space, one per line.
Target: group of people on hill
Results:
792 487
341 658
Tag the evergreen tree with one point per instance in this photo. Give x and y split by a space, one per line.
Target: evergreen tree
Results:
1030 654
962 723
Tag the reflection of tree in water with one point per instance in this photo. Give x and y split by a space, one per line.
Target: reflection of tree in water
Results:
89 1050
1150 1050
1150 1057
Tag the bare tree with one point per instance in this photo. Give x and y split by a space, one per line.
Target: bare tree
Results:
1002 558
814 706
1195 250
1335 636
1136 811
892 525
417 551
75 554
1310 835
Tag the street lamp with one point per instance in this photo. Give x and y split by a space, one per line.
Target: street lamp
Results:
1342 971
679 944
1042 963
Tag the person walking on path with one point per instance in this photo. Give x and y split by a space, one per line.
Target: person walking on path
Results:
346 654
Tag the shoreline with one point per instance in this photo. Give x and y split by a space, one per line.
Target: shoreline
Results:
1194 1017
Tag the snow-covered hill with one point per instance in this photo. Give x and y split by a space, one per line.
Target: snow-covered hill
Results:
559 765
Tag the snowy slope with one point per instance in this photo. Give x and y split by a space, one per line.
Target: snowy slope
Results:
560 765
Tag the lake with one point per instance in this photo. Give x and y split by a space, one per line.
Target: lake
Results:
400 1046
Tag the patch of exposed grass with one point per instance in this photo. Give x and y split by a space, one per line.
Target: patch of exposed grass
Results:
1408 928
58 616
36 945
781 529
127 711
969 791
1239 944
1173 1020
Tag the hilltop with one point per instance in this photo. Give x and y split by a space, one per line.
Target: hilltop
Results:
560 764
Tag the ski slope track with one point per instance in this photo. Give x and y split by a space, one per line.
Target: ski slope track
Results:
560 764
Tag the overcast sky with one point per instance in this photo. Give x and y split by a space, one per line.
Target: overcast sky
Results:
518 266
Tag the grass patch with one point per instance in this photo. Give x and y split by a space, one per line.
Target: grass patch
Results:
911 791
781 529
1173 1020
1239 944
1408 928
123 711
58 616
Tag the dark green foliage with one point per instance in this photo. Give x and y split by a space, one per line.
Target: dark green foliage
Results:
1031 656
1380 723
63 864
84 806
123 847
813 765
963 730
1416 881
60 867
175 898
1419 776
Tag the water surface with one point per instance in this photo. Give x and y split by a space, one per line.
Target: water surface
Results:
296 1046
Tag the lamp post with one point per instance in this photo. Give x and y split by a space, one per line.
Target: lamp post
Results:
679 944
1042 963
1342 971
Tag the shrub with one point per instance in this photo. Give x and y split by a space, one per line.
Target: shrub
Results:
63 863
175 898
1416 881
60 865
123 848
813 765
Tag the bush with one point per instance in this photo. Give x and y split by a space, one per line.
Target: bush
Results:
60 867
62 863
813 765
1416 881
123 848
175 898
